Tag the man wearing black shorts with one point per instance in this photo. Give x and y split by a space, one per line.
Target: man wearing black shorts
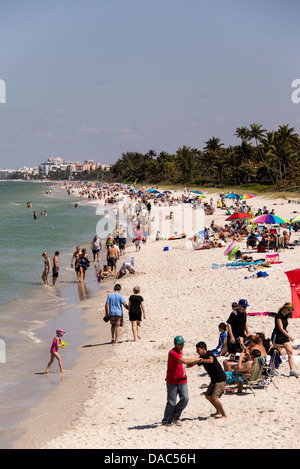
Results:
112 258
55 269
237 327
217 375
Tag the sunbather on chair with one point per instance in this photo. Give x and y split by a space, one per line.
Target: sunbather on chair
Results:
243 369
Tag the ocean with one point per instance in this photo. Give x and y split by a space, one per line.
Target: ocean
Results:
30 312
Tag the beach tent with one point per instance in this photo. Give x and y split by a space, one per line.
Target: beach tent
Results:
294 279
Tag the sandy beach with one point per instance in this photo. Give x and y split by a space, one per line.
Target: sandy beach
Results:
115 395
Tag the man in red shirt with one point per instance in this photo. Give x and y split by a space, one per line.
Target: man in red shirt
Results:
177 382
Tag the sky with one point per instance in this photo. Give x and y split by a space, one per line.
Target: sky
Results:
92 79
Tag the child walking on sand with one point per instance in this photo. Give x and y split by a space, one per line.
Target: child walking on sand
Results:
54 350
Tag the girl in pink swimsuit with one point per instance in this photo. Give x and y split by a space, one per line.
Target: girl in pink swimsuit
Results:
54 350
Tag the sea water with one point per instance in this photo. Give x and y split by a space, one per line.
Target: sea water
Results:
30 311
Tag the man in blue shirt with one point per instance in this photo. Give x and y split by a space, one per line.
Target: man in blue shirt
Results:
114 309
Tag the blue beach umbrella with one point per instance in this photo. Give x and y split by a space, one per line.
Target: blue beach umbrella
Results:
231 196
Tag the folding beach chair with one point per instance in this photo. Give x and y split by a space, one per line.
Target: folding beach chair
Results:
274 363
256 378
252 379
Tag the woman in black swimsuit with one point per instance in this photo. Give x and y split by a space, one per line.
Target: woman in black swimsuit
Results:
280 336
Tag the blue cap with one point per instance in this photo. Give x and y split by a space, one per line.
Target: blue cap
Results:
243 303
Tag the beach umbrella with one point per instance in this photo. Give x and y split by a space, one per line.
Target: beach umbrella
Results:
197 192
231 196
296 219
154 191
239 216
150 190
271 220
201 197
246 196
167 192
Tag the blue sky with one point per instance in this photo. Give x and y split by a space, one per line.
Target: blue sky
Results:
96 78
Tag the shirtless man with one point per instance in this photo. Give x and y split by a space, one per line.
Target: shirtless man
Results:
112 258
55 269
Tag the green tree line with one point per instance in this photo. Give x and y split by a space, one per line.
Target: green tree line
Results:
260 156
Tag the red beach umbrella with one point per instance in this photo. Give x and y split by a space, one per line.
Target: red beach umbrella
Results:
238 216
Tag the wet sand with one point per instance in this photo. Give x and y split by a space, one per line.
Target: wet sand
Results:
25 385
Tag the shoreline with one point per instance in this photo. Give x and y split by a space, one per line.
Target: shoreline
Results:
124 397
78 386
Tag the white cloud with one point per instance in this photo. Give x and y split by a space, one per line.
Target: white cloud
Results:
115 133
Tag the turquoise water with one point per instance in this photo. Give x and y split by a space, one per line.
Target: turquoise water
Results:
23 239
30 311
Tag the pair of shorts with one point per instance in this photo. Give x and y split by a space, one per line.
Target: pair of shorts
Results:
95 251
216 389
138 242
279 339
54 273
232 377
116 321
111 261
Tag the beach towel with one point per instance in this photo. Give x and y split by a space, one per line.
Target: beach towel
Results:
267 313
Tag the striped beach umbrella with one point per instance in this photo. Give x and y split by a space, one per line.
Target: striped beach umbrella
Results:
271 220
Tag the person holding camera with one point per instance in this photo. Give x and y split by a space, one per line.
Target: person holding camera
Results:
237 327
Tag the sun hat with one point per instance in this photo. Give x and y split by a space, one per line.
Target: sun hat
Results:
179 339
60 331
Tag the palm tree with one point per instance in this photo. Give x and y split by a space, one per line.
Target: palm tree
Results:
214 156
258 134
243 133
187 161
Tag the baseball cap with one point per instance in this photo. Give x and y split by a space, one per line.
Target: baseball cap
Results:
244 303
179 339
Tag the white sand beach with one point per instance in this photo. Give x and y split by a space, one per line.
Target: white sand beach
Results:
116 394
